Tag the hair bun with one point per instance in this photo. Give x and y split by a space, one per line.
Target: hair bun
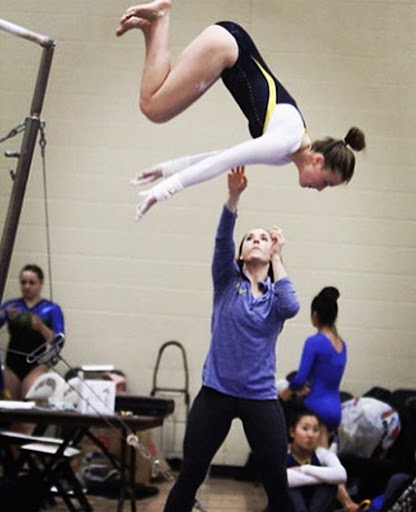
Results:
355 138
330 292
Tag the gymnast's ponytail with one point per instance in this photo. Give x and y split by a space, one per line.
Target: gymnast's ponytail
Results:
337 153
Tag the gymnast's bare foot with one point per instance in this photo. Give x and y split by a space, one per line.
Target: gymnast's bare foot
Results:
149 12
130 23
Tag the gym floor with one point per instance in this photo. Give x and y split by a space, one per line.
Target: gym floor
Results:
216 495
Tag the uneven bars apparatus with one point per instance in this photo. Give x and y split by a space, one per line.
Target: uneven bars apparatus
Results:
32 125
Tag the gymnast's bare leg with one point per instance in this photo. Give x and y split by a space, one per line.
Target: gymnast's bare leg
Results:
167 88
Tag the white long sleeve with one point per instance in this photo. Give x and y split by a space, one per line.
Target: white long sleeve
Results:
179 164
331 471
275 147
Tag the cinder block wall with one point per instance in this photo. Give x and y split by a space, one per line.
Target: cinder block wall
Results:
126 287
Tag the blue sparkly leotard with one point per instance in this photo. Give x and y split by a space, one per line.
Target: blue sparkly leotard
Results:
24 339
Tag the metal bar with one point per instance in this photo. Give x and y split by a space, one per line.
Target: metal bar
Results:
42 81
24 33
23 168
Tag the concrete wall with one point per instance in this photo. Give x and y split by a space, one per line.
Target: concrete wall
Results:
127 287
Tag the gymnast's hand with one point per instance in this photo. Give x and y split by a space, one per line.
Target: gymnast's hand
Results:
12 312
148 201
36 322
304 390
147 176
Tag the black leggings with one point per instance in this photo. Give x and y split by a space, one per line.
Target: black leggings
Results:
208 425
314 498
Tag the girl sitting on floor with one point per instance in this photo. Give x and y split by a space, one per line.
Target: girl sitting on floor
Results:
313 472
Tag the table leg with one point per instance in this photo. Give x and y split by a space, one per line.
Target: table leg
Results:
132 471
123 457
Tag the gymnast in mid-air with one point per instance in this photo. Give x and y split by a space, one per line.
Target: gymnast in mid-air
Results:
225 50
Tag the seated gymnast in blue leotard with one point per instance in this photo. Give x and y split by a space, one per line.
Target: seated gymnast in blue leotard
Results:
32 321
226 51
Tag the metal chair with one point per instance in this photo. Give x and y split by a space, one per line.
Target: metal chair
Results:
48 460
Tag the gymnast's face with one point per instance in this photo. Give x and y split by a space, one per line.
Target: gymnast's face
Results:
306 433
256 246
314 174
30 284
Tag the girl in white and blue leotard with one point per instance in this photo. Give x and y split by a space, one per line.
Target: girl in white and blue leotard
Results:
226 51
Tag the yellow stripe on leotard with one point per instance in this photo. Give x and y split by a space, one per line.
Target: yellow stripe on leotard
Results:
271 102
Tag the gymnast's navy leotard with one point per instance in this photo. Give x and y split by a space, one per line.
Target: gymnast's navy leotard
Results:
24 339
251 83
323 367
